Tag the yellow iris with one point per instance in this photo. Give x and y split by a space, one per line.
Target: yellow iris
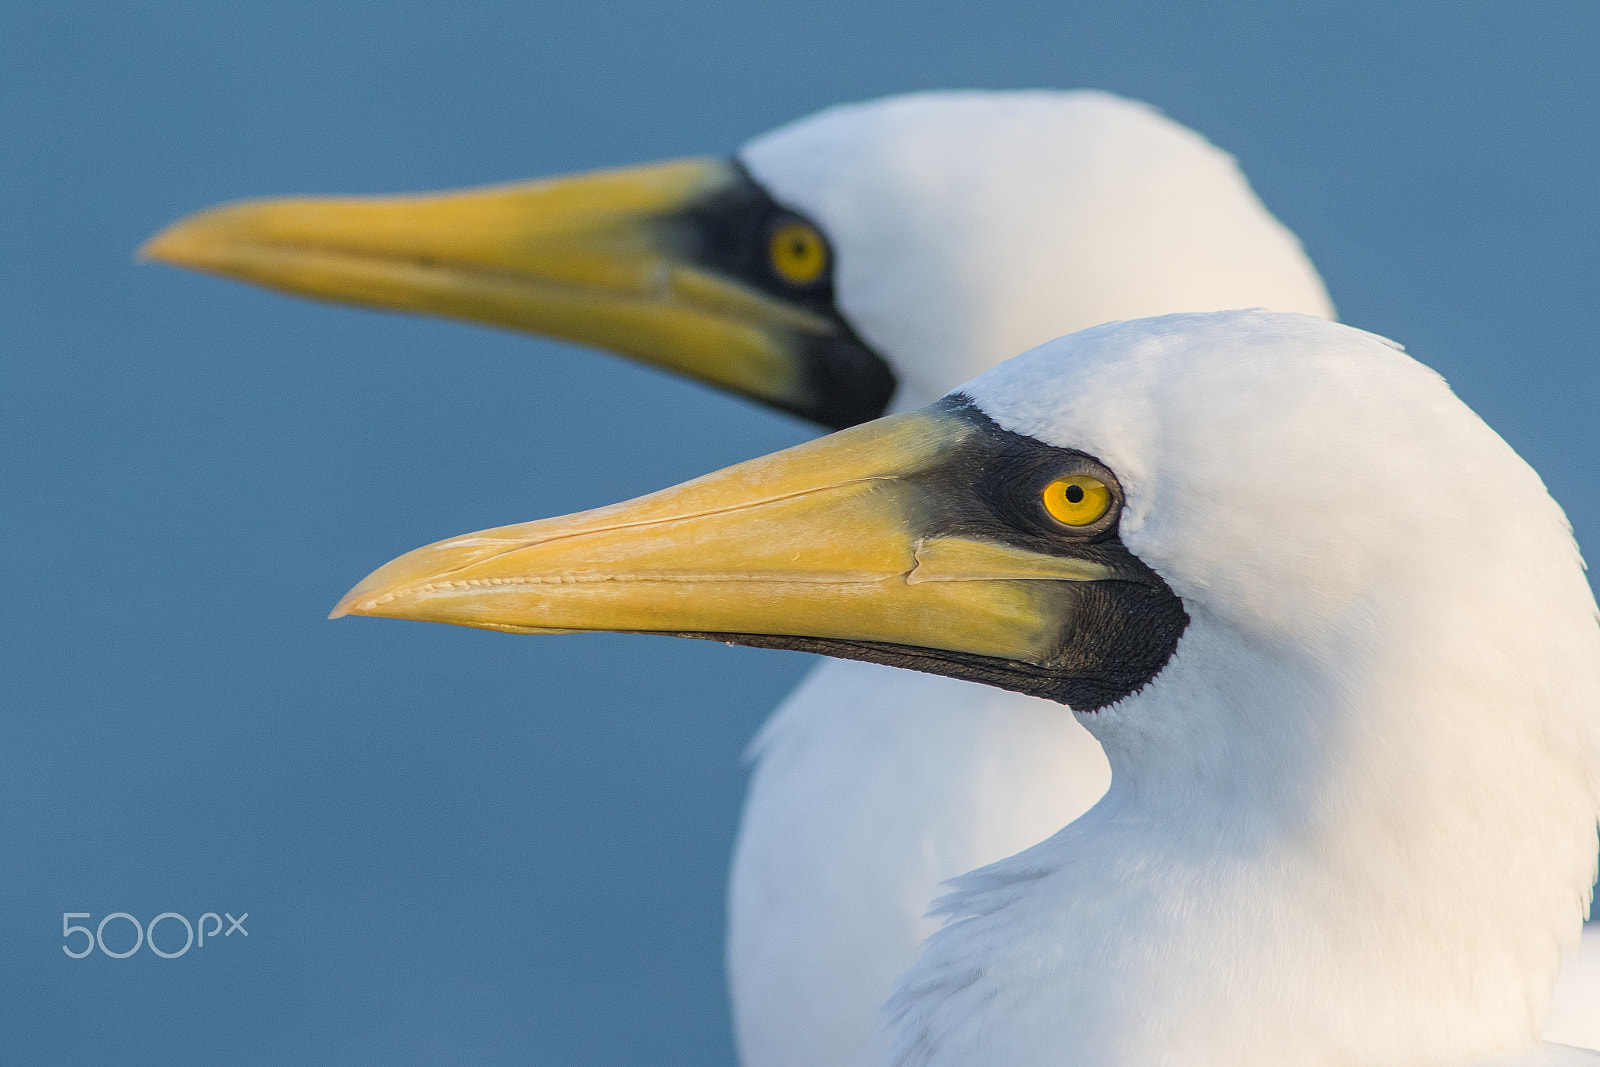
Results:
797 253
1077 500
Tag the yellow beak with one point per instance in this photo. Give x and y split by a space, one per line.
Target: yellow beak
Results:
836 541
606 259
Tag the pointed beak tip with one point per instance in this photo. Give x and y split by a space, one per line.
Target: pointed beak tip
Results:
168 246
349 604
151 249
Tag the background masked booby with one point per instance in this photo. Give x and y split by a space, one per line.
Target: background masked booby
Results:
1333 633
866 258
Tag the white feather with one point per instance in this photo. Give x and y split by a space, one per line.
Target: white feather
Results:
966 228
1353 821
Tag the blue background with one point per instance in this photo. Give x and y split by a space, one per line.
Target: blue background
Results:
462 847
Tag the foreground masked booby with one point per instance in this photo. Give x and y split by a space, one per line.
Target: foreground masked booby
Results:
1332 633
926 237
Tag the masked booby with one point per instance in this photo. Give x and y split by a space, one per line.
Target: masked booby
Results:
1332 632
865 258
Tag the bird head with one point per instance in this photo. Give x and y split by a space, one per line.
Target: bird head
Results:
1055 525
871 254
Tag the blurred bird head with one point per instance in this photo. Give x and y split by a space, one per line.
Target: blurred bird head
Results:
856 261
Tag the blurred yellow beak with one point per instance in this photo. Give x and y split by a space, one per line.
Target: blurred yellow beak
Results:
593 258
835 539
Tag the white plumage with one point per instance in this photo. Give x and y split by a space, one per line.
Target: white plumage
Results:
1353 820
967 227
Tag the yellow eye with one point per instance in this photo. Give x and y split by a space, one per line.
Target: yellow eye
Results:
797 253
1077 499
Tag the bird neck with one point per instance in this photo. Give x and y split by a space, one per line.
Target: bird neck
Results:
1296 863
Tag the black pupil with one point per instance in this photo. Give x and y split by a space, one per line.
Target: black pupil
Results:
797 247
1074 494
